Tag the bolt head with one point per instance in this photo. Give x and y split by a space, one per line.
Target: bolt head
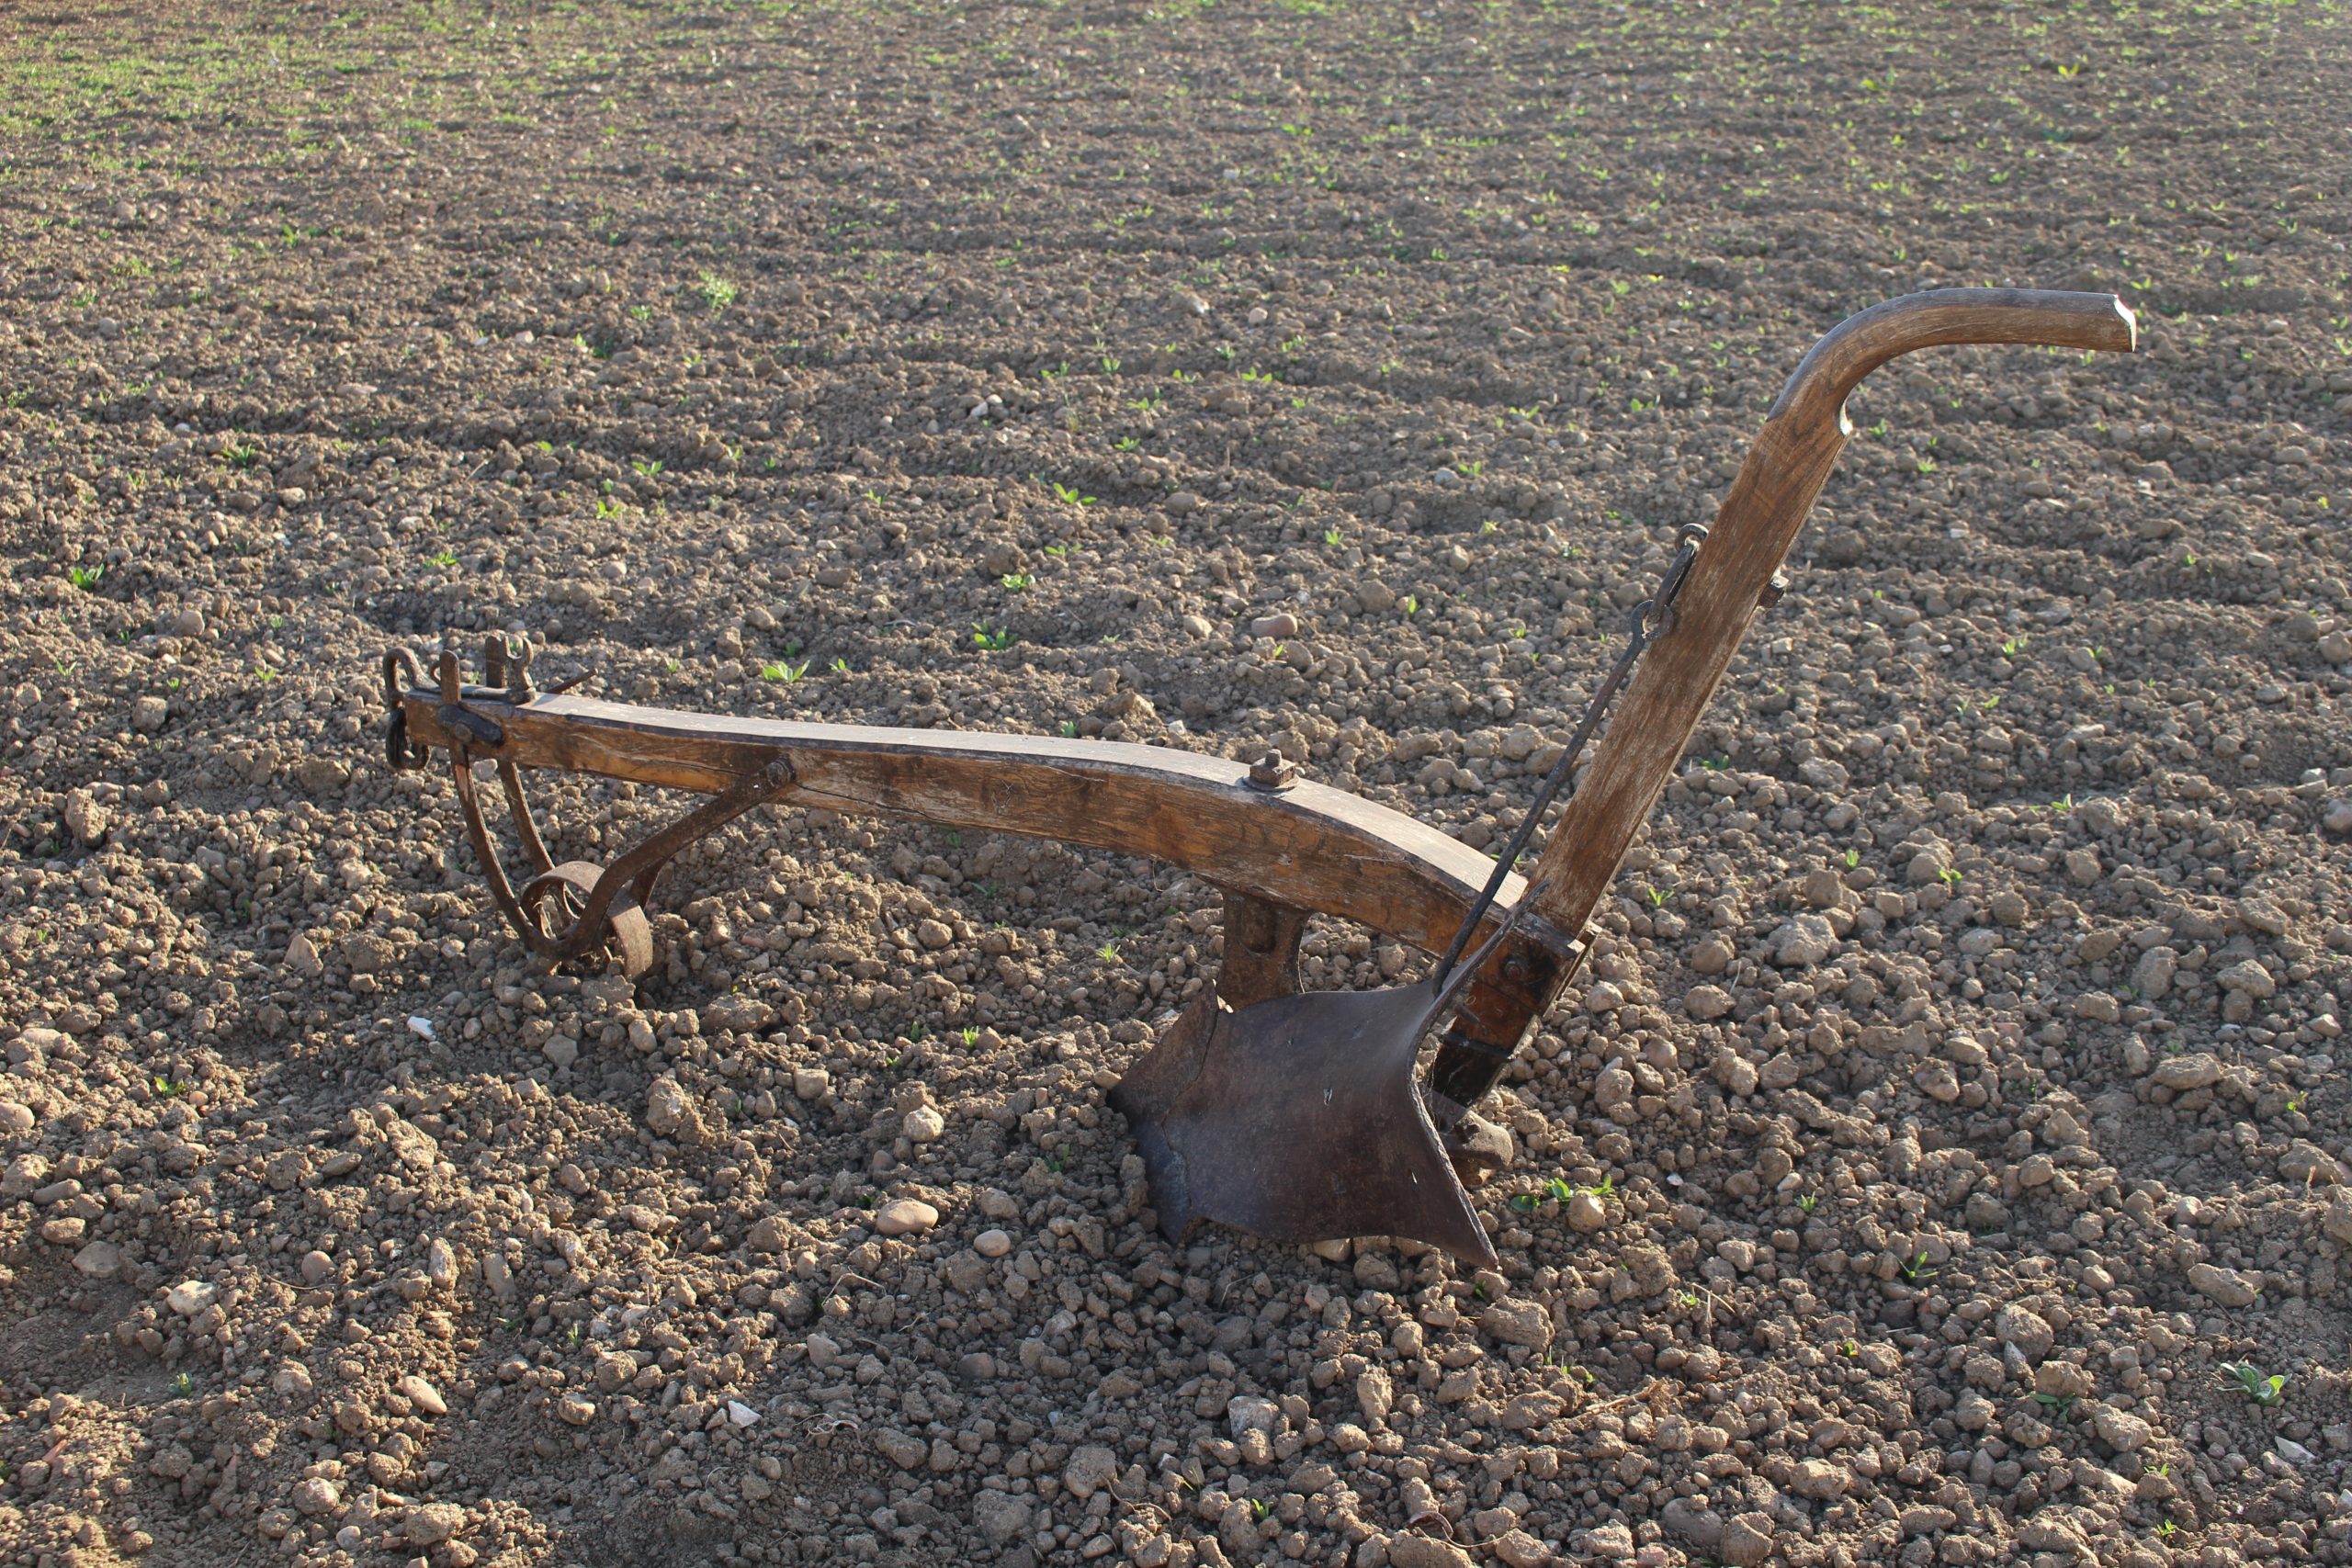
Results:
1271 772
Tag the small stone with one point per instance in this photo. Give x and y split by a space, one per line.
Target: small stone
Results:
302 957
84 817
1747 1541
667 1107
1712 956
2061 1380
1736 1073
1374 595
576 1409
2026 1329
924 1124
1926 866
1196 627
901 1448
933 934
1247 1413
1407 1549
1695 1523
2306 1162
1707 1003
811 1083
1376 1395
1612 1542
2195 1070
741 1415
2249 977
992 1243
1091 1469
905 1216
2227 1286
1517 1322
562 1051
191 1296
16 1118
1276 626
2121 1431
317 1497
149 713
1517 1548
422 1394
186 622
1802 942
316 1268
1586 1212
1821 1481
1000 1515
430 1524
98 1261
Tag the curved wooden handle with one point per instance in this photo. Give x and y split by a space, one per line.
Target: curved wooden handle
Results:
1863 342
1732 579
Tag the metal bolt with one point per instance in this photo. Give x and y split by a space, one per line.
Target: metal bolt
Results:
1772 590
1271 772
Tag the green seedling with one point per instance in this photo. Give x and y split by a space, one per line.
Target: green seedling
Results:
994 641
1412 605
1332 537
1108 953
445 557
1919 1269
167 1088
2264 1391
1853 858
716 291
841 667
1017 582
1949 877
182 1385
779 670
85 577
970 1035
1808 1202
2061 1405
1068 495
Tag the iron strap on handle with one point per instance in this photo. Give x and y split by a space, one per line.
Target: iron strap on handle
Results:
1652 618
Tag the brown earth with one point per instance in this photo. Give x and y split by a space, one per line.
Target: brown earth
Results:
1957 1097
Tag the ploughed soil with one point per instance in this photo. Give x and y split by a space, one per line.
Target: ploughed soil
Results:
1943 1160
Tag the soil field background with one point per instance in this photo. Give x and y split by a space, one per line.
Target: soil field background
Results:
1943 1156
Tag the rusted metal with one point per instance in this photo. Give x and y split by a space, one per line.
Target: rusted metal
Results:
1298 1119
1271 772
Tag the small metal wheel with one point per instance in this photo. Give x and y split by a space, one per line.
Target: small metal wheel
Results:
555 900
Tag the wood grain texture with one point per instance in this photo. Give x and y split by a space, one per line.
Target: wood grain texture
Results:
1308 847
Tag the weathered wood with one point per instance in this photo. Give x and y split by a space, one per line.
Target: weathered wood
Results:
1305 847
1753 532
